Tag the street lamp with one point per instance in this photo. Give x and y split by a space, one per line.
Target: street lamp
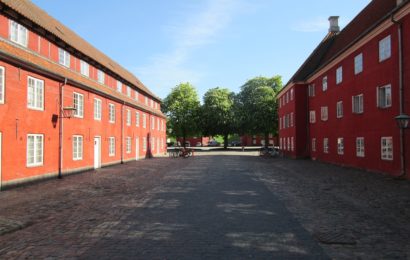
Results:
402 121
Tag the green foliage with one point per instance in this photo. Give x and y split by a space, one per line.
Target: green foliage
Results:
181 107
217 113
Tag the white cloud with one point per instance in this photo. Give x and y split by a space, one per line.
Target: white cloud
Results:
166 70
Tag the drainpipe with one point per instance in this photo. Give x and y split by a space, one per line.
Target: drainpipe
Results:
122 133
60 130
401 96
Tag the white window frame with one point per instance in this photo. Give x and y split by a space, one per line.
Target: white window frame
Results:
78 103
385 48
357 104
111 113
311 90
313 144
97 109
288 143
119 86
144 121
111 146
292 144
18 33
137 119
158 125
387 148
291 119
84 68
340 146
64 57
144 144
339 109
129 91
35 93
324 113
339 75
291 94
358 64
100 76
136 94
360 147
146 100
325 145
128 144
37 161
2 84
152 123
384 96
312 116
128 117
77 147
324 83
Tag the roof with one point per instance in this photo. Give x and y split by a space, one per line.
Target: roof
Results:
334 44
38 16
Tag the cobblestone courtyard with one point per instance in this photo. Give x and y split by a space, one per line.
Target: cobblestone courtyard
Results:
212 206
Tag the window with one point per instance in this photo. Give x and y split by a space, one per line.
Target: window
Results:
357 104
312 116
358 64
128 91
137 118
313 144
323 113
339 109
78 105
291 94
287 97
324 83
291 119
339 75
63 57
325 145
311 90
136 95
128 144
360 146
144 120
144 143
152 123
111 113
97 108
77 147
288 144
35 93
111 146
128 117
18 33
385 49
384 96
146 101
85 68
2 87
151 103
292 145
35 144
158 126
119 86
100 76
387 148
340 146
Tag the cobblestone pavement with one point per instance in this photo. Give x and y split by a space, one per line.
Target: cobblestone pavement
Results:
209 207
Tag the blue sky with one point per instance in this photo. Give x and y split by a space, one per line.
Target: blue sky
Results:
210 43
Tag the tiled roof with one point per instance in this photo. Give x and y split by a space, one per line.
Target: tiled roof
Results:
33 13
333 45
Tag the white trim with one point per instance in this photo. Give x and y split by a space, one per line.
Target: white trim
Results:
35 163
2 85
78 153
79 106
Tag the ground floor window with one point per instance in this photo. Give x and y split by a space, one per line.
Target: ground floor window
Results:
325 145
144 143
128 144
340 146
111 146
292 144
35 149
77 147
313 144
387 148
360 146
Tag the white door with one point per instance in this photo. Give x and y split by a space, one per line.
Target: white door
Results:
97 152
137 148
1 142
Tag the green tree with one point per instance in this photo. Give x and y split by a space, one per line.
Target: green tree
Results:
181 107
217 113
257 106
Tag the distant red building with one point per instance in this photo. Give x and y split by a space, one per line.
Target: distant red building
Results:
258 140
340 106
195 141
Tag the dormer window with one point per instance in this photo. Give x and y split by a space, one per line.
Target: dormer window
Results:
18 33
63 57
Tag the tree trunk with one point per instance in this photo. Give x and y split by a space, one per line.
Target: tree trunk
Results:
225 141
266 140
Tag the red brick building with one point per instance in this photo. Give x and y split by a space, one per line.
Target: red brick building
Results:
46 69
258 140
340 106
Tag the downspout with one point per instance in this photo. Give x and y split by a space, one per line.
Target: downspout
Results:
122 133
401 96
60 129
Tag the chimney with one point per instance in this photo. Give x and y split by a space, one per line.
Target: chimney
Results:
334 24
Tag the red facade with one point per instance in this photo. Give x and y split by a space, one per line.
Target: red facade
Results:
35 87
361 96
